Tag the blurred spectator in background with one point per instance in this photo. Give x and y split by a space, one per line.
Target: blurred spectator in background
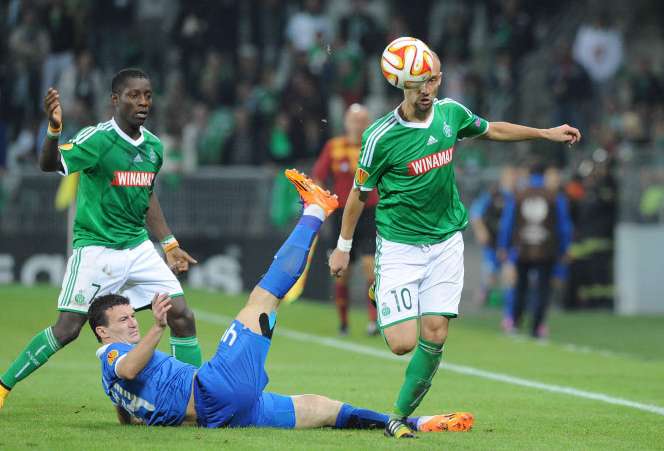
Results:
350 70
646 89
308 27
571 89
61 31
591 268
360 28
157 18
82 81
535 233
335 167
559 276
485 213
28 48
106 17
241 144
268 22
413 17
302 101
512 29
455 37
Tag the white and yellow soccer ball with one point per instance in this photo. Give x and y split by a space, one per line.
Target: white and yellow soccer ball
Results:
407 62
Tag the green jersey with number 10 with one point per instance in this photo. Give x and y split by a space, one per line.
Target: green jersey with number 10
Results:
117 175
411 165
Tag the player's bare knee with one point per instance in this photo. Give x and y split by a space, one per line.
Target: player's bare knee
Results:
262 299
401 345
401 348
435 331
181 320
401 338
67 328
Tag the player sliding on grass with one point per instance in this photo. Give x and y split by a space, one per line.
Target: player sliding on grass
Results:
118 162
407 155
152 387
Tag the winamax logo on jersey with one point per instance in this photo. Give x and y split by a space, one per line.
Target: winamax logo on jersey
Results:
433 161
132 178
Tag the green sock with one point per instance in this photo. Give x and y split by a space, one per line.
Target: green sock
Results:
421 369
36 353
187 350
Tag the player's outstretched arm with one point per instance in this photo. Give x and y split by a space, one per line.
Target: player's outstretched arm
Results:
135 360
49 158
506 131
177 258
340 257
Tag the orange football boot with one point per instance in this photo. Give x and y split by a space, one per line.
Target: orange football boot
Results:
451 422
312 193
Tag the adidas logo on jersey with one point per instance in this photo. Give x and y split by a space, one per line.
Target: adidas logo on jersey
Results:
138 159
431 140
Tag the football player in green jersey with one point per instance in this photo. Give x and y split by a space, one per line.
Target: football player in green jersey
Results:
408 156
117 162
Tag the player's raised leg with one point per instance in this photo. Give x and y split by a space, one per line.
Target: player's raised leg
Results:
291 258
40 348
237 401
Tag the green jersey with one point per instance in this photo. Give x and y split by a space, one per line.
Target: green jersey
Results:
117 175
411 165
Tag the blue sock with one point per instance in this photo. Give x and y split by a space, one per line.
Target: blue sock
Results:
412 422
291 258
508 303
350 417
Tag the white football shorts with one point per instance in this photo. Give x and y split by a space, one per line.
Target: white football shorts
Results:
418 280
136 273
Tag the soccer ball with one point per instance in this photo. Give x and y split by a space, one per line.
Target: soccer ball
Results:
406 62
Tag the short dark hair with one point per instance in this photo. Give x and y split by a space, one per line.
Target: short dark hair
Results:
120 79
97 311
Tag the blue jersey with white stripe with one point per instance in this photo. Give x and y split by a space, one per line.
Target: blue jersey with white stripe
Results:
160 392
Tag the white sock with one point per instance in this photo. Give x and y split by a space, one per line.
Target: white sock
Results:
422 420
314 210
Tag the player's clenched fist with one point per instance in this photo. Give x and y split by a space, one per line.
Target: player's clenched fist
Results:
563 133
52 108
161 304
338 262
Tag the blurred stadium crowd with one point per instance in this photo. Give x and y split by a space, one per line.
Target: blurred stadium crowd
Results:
265 82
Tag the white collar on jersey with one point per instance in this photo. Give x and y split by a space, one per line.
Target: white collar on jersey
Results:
424 124
102 350
126 137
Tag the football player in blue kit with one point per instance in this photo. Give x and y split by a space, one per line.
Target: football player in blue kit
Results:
151 387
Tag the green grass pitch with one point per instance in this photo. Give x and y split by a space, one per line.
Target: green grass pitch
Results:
62 406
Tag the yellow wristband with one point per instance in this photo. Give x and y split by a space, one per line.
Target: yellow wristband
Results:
169 243
53 133
170 246
54 130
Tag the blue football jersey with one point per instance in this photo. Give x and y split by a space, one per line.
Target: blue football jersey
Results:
160 392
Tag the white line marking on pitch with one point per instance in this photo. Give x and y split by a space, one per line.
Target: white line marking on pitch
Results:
461 369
